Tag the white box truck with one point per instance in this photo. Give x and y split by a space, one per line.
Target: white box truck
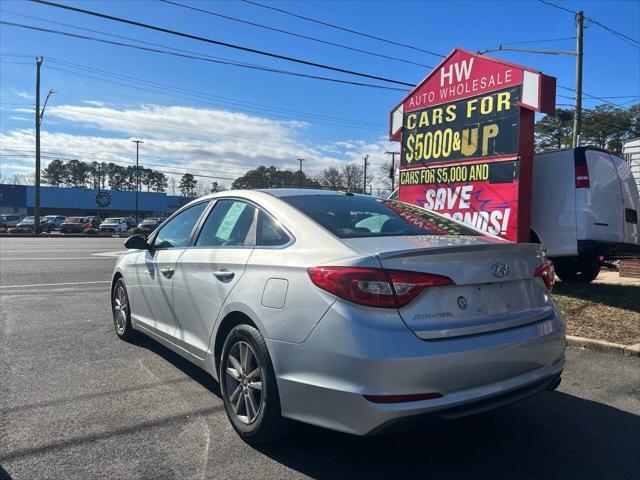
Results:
584 206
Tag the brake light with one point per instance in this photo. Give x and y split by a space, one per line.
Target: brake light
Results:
547 273
582 176
374 287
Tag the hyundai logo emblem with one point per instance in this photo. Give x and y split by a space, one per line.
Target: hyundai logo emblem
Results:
462 302
499 270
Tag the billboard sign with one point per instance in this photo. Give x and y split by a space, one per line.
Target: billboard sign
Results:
466 133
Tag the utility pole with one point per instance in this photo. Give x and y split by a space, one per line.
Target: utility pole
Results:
364 180
300 171
392 172
36 205
137 142
577 116
98 197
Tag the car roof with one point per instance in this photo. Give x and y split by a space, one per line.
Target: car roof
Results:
295 192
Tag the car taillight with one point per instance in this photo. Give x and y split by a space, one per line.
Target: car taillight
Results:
547 273
373 286
582 176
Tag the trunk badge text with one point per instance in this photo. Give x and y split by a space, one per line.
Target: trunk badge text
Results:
499 270
462 302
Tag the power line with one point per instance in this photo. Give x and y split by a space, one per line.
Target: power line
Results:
221 43
298 35
631 41
534 41
193 57
203 94
344 29
204 102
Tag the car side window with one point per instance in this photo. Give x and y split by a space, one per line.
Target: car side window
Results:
269 233
230 224
176 233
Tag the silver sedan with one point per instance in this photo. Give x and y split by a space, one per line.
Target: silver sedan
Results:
345 311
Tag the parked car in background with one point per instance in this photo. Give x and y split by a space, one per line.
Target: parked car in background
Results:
3 222
114 225
52 222
13 220
48 223
149 224
27 223
131 222
79 224
94 222
345 311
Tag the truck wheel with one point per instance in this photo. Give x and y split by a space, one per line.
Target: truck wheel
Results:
577 269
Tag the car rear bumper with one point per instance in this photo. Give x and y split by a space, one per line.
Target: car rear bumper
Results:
323 380
608 249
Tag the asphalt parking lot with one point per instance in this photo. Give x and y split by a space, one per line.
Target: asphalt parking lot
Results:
76 402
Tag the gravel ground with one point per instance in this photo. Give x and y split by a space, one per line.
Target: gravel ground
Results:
601 311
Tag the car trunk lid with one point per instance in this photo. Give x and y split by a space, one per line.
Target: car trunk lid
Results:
494 289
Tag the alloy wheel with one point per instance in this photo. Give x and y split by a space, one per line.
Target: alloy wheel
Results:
244 382
120 308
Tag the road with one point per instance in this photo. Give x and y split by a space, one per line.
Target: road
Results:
77 402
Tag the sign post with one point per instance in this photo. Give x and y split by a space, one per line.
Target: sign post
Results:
466 133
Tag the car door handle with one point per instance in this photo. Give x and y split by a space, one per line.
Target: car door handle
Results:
167 271
223 274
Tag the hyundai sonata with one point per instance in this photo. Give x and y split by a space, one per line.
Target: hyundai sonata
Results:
345 311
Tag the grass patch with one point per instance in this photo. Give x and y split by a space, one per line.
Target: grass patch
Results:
600 311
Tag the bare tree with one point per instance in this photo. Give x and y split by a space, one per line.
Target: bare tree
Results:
352 176
173 185
331 178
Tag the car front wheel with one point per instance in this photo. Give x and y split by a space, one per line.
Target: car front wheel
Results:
122 312
249 389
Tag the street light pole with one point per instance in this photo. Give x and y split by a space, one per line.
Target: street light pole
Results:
364 180
392 171
137 142
300 171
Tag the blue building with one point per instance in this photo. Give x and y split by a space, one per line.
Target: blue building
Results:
20 199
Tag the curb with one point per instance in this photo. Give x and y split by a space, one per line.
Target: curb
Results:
603 346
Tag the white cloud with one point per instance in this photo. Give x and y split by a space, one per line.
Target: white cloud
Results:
185 139
95 103
24 94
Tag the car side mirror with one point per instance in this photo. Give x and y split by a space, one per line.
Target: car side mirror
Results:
137 242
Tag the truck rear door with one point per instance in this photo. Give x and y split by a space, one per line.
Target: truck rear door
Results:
630 201
599 212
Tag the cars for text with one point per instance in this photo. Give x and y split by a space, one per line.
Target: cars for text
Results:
344 311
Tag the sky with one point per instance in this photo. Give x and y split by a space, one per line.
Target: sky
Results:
220 120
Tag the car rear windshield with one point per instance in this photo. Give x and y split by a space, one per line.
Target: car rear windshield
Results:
112 220
75 220
352 216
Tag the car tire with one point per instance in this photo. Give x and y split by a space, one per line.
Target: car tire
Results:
122 312
577 269
253 412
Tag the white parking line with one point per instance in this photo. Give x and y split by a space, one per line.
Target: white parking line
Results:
53 284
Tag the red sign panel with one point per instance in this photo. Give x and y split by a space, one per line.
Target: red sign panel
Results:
467 141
